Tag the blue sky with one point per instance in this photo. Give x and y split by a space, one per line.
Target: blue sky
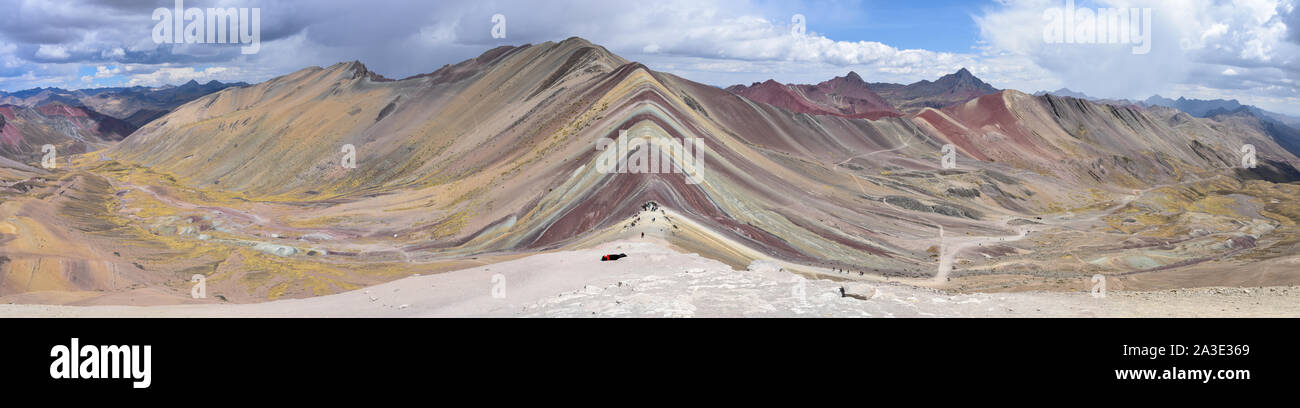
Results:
1244 49
941 25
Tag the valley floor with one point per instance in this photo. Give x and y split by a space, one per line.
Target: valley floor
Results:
655 281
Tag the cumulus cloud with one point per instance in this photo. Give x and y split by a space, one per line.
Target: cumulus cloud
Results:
52 52
105 72
177 75
1213 49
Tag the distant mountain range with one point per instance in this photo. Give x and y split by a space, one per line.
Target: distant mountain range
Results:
1284 129
950 89
848 96
1065 92
136 105
76 121
1201 108
851 97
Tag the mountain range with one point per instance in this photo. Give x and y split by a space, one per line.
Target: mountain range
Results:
1196 107
950 89
136 105
77 121
851 97
1065 92
1206 108
333 178
846 96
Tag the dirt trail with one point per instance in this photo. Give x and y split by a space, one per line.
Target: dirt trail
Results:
948 250
906 144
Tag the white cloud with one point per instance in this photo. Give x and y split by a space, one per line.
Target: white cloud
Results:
115 53
7 58
1219 49
177 75
105 72
705 29
56 52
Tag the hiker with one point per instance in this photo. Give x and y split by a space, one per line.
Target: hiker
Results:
642 235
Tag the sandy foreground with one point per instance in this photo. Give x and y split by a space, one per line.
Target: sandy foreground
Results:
655 281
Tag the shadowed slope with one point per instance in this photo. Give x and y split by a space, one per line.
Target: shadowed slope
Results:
71 129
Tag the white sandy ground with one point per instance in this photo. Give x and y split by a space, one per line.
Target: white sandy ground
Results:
655 281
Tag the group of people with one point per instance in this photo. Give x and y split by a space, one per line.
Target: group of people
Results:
848 272
652 207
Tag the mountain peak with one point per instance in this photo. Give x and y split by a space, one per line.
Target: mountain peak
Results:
847 96
347 65
950 89
964 77
357 70
579 41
